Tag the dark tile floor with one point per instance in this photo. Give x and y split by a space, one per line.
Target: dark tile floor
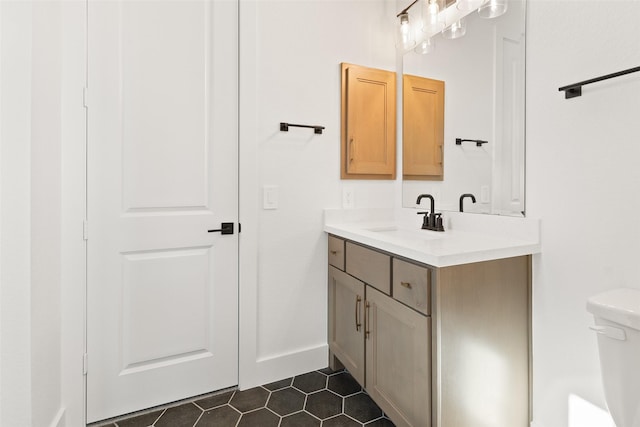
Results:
317 399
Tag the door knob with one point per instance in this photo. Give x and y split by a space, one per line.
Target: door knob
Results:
225 228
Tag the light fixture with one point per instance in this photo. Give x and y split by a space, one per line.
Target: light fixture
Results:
405 32
435 15
492 9
468 5
455 30
427 45
431 17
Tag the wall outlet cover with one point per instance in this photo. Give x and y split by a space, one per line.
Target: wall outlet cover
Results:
348 198
485 194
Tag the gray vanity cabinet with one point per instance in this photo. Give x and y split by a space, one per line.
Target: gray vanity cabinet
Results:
368 328
441 347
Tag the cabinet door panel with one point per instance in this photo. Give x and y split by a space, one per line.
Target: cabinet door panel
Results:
398 349
422 128
346 331
368 123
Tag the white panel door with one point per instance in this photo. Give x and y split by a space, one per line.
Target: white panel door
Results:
162 309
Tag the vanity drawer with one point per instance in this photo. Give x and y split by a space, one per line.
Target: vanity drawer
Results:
412 285
372 267
336 252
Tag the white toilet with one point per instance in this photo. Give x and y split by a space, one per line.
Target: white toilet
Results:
617 318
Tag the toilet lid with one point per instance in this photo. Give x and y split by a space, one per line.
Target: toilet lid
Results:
618 305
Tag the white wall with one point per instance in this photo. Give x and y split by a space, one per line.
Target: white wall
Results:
582 180
15 269
290 72
45 214
42 282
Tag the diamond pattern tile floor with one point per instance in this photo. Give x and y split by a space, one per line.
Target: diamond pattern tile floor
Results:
316 399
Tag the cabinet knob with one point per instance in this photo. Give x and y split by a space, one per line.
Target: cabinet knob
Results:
405 285
334 252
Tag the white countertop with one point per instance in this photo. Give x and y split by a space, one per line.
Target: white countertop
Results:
467 237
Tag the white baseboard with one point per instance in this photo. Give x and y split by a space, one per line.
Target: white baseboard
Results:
58 420
274 368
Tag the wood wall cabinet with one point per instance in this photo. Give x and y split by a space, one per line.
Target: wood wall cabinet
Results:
422 128
368 131
442 347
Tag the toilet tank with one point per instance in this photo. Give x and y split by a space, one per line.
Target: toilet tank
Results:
617 318
621 306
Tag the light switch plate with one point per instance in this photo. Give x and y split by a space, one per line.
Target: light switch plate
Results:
270 197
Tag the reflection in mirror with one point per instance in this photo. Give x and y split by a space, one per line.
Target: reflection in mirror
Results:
484 100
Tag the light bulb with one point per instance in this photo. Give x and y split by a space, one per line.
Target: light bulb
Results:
468 5
426 46
431 17
455 30
493 9
405 35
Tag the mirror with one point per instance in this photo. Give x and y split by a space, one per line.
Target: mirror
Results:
484 100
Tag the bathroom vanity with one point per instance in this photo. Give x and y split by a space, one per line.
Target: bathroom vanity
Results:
435 326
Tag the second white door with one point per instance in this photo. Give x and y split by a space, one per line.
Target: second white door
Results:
162 303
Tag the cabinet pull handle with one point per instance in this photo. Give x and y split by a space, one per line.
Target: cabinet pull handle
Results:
366 320
358 324
351 149
441 154
334 252
405 285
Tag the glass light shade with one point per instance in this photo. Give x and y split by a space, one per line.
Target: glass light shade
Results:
427 45
468 5
493 8
455 30
405 38
431 18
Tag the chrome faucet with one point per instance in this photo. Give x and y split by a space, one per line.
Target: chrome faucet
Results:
432 220
473 199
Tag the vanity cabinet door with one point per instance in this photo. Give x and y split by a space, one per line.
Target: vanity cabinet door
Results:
398 349
346 322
